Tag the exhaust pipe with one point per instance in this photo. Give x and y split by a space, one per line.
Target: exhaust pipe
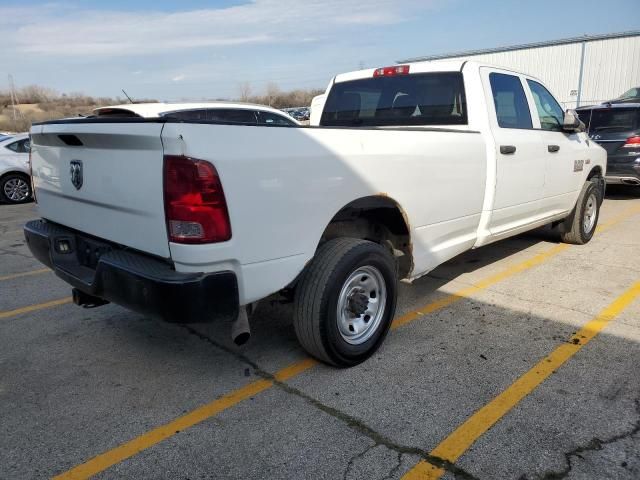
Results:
85 300
631 181
240 330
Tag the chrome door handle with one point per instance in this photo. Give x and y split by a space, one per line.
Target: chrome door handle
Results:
553 148
507 149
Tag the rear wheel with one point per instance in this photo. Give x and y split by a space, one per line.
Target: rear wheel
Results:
15 188
580 226
345 301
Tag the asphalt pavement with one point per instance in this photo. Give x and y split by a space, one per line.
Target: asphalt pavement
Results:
518 360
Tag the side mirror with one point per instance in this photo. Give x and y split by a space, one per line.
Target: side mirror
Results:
572 123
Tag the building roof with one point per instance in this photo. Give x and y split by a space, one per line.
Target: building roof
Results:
551 43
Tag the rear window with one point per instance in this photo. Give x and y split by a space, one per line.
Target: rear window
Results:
227 115
116 113
417 99
611 119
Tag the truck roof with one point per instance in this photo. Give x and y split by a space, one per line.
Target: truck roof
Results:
424 67
157 109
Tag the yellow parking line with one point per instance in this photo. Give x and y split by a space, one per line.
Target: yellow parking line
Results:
481 285
146 440
33 308
603 227
25 274
504 274
451 448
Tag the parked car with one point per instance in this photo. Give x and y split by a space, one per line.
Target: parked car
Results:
299 113
616 127
227 112
192 220
630 96
15 182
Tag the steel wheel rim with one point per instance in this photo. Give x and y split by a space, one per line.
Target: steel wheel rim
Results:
365 291
590 212
16 189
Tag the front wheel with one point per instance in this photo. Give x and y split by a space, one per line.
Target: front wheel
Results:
580 226
345 301
15 188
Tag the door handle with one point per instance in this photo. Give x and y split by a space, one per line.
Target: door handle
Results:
507 149
553 148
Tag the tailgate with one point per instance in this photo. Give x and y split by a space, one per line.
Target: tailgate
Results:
104 179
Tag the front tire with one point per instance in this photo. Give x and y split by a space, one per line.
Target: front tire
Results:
15 188
580 226
345 301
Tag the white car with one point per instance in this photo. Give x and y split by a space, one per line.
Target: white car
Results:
192 220
15 182
232 112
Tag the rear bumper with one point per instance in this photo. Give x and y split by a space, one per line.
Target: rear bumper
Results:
623 169
136 281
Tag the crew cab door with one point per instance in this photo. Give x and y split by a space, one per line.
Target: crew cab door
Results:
520 168
565 153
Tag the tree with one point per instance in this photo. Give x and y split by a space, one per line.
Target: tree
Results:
272 92
244 90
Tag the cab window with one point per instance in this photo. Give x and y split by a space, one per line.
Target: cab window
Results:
512 109
549 110
398 100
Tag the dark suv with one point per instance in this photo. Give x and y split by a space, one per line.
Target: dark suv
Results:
630 96
616 127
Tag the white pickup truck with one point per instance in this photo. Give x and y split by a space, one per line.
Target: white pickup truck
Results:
194 219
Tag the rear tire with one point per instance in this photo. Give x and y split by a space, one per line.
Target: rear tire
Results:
579 227
345 301
15 188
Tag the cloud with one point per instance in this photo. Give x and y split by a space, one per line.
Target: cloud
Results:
179 78
56 30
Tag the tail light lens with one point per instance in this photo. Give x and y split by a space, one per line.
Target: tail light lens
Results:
632 142
194 202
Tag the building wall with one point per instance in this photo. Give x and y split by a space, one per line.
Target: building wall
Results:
611 66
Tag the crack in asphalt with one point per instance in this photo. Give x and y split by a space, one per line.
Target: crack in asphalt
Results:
350 421
352 460
594 444
4 251
395 469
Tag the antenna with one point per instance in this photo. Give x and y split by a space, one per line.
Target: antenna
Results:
125 94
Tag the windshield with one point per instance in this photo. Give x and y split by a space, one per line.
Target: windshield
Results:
633 93
417 99
610 119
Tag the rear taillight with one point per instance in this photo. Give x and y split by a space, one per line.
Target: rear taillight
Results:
632 142
194 203
391 71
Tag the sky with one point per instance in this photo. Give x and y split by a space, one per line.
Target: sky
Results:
194 49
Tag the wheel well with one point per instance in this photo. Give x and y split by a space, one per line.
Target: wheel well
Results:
379 219
14 172
595 172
